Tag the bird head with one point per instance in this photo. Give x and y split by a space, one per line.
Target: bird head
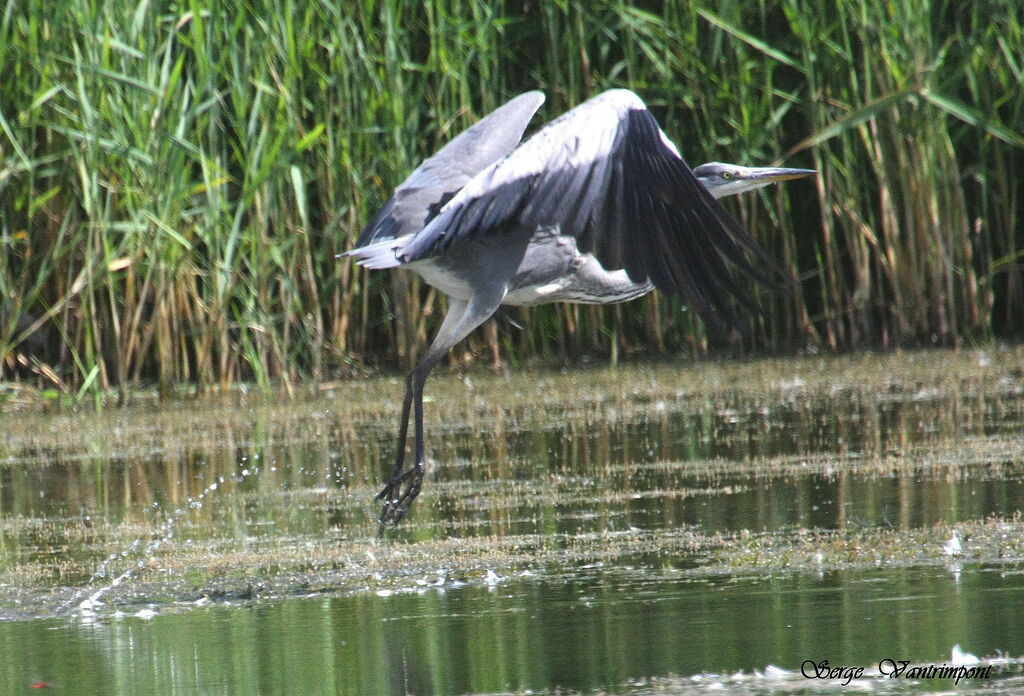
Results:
730 179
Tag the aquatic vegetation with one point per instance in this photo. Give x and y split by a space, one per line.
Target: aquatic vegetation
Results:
712 469
175 183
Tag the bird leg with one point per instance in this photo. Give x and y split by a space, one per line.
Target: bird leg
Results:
397 501
462 317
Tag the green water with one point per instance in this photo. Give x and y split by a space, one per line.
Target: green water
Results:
649 530
593 629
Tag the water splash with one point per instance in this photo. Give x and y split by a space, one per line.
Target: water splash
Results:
88 606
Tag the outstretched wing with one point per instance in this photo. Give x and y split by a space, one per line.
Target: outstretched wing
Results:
437 179
607 175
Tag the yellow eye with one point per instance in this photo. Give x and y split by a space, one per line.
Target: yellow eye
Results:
727 175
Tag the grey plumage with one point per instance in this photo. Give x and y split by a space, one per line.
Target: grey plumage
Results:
596 207
439 178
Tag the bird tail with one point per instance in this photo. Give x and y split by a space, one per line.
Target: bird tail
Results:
383 254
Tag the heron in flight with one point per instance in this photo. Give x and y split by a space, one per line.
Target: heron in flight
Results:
597 207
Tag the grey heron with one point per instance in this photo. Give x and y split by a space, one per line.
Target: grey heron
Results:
597 207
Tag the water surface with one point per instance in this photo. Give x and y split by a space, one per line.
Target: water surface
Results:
653 529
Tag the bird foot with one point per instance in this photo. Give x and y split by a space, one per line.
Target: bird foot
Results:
397 501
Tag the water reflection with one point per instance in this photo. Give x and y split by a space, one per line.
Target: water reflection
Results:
616 630
829 457
640 461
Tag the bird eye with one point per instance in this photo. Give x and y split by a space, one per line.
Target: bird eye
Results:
727 175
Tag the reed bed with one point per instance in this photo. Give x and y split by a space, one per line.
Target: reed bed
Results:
177 178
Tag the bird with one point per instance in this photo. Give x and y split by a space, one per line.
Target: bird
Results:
961 658
596 207
952 547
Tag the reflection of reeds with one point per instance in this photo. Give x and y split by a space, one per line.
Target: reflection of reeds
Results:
174 187
555 459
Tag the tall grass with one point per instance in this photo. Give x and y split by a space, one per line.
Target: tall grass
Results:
176 178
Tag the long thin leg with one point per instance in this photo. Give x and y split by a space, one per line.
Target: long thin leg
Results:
403 486
403 428
456 308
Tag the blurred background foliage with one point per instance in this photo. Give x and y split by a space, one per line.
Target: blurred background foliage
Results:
176 178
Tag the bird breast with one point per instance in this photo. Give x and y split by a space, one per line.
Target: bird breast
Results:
552 269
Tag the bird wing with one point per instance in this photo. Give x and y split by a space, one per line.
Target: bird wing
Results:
437 179
607 175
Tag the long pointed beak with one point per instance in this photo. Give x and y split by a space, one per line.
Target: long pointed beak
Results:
769 175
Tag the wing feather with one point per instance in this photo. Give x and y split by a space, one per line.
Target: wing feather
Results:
606 174
424 192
